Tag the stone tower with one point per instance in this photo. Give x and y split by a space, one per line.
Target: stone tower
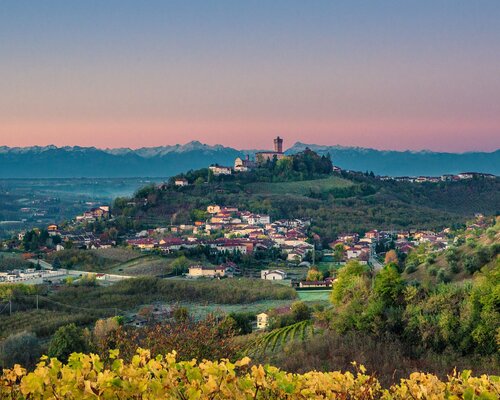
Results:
278 145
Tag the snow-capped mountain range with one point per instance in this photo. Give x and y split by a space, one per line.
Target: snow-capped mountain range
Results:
75 161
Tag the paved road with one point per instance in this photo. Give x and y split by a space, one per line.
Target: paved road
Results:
377 265
43 264
103 276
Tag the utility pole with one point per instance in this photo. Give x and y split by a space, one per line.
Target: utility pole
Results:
10 307
37 302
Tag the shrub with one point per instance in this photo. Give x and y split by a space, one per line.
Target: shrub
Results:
21 348
441 276
454 267
67 339
471 242
410 268
471 264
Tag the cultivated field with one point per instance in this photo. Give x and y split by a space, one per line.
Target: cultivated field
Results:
301 187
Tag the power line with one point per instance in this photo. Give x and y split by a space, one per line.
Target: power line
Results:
115 309
3 309
81 308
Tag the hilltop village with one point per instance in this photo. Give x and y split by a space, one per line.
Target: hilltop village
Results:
221 238
229 235
246 164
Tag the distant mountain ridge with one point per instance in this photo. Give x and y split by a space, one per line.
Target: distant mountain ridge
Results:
162 161
411 163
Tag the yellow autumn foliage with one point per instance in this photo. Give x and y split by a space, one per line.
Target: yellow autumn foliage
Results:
163 377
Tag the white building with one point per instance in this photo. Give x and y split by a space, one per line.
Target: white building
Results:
220 170
257 219
201 271
262 321
273 275
243 164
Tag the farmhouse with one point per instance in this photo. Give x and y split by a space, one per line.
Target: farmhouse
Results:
273 275
201 271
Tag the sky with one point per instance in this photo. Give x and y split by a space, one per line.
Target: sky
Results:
384 74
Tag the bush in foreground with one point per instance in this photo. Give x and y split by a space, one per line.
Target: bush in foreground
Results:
86 377
21 347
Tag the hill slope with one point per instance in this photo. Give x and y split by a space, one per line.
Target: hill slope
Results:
334 203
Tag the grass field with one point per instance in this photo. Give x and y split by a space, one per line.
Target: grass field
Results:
201 310
300 187
147 265
327 266
118 260
314 295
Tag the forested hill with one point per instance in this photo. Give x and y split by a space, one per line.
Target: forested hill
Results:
77 162
334 202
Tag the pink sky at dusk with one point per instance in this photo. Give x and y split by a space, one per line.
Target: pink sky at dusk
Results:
387 134
387 75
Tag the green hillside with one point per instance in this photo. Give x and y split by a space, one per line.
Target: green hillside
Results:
300 187
303 186
473 250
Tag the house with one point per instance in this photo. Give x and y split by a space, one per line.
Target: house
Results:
94 214
143 244
272 275
220 170
262 321
201 271
297 254
213 209
357 253
256 219
181 182
231 246
373 235
52 228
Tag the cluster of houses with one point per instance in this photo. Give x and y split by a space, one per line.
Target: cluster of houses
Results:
362 248
78 236
354 247
242 232
435 179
